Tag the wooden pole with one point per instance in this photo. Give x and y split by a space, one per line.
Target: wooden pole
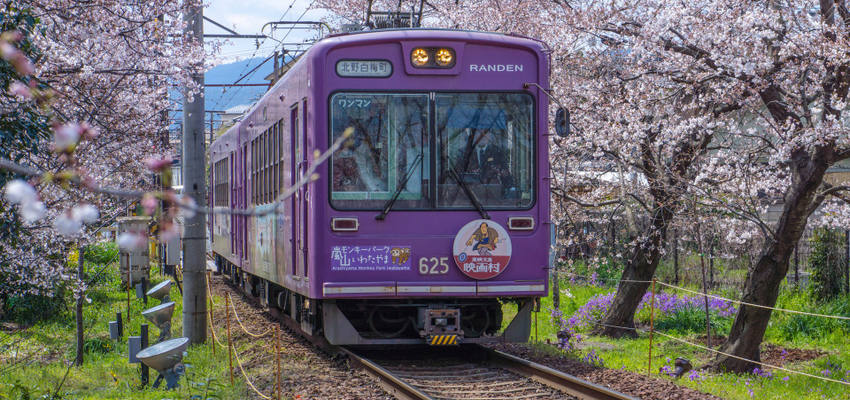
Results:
229 340
277 348
651 327
79 306
129 283
212 331
143 332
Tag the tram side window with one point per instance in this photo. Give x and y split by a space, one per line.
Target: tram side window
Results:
281 183
254 181
274 160
265 163
221 180
387 146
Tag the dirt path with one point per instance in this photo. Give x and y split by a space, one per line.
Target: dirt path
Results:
307 373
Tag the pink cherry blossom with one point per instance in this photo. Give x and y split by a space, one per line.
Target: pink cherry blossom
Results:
66 137
17 88
132 241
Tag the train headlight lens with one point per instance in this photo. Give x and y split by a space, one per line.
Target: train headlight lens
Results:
419 57
444 57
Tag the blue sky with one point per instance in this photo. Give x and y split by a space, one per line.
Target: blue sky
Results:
249 16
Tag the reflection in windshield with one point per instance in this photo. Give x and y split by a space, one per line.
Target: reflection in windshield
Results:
388 131
486 138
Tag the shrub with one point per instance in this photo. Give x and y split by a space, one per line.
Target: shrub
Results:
666 305
99 345
28 309
826 260
686 320
795 325
102 253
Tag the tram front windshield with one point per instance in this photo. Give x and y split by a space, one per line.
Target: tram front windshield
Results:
397 148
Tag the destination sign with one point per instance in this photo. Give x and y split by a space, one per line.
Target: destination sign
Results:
364 68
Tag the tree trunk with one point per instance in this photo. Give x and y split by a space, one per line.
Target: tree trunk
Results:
79 311
619 319
762 284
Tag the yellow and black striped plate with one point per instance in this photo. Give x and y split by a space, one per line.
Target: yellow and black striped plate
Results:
443 340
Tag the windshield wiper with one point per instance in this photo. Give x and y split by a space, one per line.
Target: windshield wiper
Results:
469 193
401 186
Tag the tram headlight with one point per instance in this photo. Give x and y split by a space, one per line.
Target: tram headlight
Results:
419 57
444 57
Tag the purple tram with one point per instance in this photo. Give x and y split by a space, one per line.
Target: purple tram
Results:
432 214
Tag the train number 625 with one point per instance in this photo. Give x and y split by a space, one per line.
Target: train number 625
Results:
433 265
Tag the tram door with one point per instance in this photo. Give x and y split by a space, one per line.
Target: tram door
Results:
299 200
232 203
304 197
241 230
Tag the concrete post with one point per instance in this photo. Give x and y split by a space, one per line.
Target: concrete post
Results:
194 185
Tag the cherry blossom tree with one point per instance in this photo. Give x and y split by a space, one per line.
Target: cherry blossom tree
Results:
716 104
100 81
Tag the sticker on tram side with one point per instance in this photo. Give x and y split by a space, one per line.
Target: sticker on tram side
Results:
482 249
370 258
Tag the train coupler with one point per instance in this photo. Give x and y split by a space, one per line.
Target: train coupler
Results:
442 327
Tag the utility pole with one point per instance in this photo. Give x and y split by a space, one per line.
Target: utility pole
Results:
194 186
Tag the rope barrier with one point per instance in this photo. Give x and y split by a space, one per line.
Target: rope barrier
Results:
839 317
752 361
254 335
791 371
723 353
212 326
756 305
231 347
605 279
248 380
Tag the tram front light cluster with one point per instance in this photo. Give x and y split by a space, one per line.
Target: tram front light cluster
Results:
420 57
444 57
433 57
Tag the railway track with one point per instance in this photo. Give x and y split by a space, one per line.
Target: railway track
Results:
466 372
470 372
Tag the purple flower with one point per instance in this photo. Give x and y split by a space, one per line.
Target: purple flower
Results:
694 375
593 359
665 304
762 373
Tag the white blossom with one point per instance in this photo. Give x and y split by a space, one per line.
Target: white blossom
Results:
130 241
66 225
85 213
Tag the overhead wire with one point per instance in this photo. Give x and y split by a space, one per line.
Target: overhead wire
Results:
253 54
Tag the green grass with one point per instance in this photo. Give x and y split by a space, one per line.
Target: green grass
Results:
105 373
786 330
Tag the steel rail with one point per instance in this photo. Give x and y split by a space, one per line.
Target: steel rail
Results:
398 387
391 383
551 377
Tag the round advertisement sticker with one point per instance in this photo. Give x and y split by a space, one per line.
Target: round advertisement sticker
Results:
482 249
